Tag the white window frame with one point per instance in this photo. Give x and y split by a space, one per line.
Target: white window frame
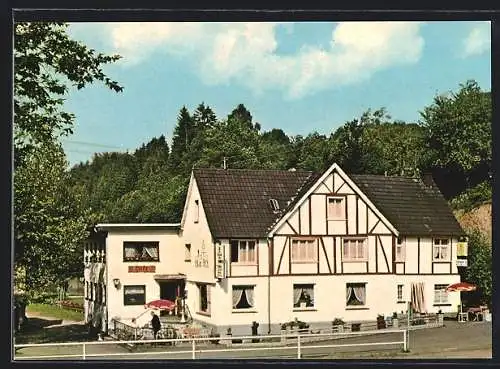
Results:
400 292
362 304
363 256
304 250
400 244
439 245
342 206
246 245
440 294
302 286
244 287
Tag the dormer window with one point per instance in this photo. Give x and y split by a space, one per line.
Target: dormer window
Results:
275 206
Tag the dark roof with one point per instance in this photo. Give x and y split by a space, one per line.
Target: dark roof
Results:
409 205
236 201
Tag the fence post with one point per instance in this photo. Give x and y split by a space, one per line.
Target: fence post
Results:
193 351
408 327
299 354
405 346
84 351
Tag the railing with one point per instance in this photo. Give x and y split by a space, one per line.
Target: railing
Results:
197 346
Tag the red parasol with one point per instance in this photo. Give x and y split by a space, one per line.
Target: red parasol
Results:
160 304
461 287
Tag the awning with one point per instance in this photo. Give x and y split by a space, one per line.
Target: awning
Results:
169 277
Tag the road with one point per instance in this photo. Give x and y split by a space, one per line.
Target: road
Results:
454 340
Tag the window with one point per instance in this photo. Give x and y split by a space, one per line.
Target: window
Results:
336 208
134 295
400 249
354 249
243 297
303 295
196 211
400 292
441 249
440 294
187 252
304 250
355 294
204 298
141 251
243 252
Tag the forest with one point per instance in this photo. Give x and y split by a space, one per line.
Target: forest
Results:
55 206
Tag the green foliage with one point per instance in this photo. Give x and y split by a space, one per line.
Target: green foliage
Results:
46 60
458 138
49 222
473 197
50 219
480 265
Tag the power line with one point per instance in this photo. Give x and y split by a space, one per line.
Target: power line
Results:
95 144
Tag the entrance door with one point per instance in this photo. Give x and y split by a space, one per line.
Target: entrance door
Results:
168 291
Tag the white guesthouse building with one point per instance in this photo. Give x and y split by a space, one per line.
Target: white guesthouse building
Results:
270 246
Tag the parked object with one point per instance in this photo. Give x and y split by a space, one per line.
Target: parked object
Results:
461 287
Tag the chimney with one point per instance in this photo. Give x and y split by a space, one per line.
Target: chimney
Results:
428 180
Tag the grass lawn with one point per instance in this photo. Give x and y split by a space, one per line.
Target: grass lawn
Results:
77 299
53 311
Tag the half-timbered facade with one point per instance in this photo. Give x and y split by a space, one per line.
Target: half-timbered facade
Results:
289 244
271 245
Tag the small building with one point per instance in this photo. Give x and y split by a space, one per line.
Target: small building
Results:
273 245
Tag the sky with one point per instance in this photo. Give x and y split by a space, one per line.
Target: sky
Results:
301 77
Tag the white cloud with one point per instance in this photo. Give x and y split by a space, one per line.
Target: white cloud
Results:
246 52
479 40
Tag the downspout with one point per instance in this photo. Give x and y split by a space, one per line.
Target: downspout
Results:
269 270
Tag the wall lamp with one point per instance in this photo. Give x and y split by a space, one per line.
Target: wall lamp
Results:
116 282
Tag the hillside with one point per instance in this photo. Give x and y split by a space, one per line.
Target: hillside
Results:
479 217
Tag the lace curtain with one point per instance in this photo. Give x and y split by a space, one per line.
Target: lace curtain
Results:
152 252
249 296
237 293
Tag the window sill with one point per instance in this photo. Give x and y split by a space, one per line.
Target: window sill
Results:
336 219
204 313
305 309
444 304
243 264
355 261
242 311
304 262
400 261
356 308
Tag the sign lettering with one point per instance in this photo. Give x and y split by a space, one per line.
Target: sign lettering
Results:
220 262
142 268
461 262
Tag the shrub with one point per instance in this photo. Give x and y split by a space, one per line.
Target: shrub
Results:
338 321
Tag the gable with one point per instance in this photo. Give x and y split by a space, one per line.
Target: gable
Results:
333 178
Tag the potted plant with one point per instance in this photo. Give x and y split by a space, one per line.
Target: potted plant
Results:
440 317
380 322
338 325
395 320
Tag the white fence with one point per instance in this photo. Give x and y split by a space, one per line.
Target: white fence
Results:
297 343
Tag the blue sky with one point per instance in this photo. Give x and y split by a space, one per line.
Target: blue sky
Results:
300 77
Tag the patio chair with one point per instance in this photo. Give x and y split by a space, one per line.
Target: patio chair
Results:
462 316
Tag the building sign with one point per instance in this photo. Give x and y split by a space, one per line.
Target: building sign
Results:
201 259
220 262
462 249
141 268
461 262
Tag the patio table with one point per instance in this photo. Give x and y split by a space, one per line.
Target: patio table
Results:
476 313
